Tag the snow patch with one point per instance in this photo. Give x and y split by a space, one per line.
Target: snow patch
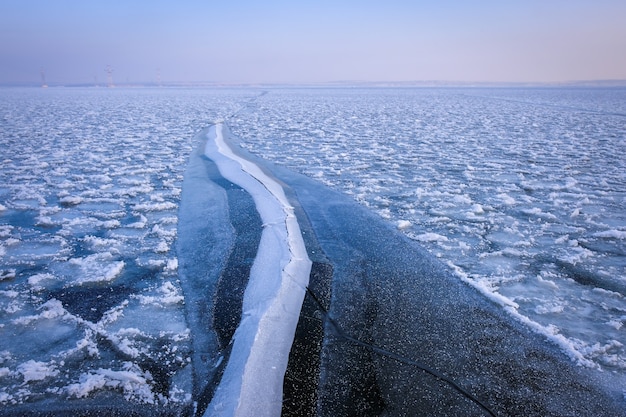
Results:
430 237
133 382
70 201
155 206
36 371
36 280
98 267
611 234
403 224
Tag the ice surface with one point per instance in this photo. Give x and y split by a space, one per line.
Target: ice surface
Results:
390 294
253 378
90 302
104 274
505 185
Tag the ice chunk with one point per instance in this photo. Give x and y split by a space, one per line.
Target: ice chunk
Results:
430 237
132 381
6 274
36 280
172 265
166 294
70 201
97 268
36 371
611 234
167 205
403 224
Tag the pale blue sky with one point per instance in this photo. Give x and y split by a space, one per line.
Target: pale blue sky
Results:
314 41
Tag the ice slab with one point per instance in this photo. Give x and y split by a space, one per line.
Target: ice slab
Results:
253 378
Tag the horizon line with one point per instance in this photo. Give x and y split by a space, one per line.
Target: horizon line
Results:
341 83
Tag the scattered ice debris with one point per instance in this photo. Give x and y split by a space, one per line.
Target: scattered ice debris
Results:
102 181
88 217
470 192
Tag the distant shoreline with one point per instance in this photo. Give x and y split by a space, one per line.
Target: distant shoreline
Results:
330 84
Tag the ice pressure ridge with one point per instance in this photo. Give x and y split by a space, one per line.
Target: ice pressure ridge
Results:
253 379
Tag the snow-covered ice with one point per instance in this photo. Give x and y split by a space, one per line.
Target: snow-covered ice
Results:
506 184
90 185
521 193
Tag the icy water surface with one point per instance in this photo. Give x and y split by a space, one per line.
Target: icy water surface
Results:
522 192
90 184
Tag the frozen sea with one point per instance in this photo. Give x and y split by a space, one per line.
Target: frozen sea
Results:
90 186
520 192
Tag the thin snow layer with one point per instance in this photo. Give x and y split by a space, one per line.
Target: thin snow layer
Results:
253 378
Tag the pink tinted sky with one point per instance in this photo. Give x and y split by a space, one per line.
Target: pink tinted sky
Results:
274 41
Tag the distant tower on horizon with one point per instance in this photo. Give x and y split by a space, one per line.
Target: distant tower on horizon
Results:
109 72
158 77
43 79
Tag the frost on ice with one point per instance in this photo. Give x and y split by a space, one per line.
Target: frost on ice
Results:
101 245
90 301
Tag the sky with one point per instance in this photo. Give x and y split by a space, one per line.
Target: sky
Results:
279 41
